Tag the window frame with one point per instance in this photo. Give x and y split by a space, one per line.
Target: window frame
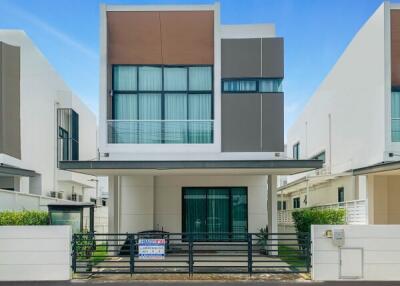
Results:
256 79
340 193
162 93
297 146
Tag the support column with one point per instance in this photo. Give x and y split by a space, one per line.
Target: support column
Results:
272 205
272 213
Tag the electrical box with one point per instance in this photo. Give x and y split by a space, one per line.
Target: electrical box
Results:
338 237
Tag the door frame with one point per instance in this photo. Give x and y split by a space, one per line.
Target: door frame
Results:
183 216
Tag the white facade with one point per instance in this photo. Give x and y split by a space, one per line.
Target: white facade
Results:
349 119
42 92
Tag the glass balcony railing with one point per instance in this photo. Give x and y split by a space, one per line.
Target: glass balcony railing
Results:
160 131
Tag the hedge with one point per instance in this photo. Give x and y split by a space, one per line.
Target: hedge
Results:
303 219
24 218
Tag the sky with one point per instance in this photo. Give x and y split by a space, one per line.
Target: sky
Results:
316 32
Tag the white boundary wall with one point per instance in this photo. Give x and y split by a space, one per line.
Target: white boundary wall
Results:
371 250
29 253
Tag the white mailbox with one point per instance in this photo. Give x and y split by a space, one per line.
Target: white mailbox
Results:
338 237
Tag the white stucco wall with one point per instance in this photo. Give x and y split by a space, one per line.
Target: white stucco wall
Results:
155 202
378 243
354 96
42 92
31 253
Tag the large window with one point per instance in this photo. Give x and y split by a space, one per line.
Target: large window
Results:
215 213
162 104
249 85
67 134
395 116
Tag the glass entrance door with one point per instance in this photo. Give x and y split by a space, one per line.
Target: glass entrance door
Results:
213 213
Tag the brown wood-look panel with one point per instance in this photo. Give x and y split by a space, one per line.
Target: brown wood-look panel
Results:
168 37
187 37
133 38
395 46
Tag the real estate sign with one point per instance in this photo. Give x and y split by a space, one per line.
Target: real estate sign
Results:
151 248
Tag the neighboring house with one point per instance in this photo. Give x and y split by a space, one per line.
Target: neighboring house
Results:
353 123
191 121
42 122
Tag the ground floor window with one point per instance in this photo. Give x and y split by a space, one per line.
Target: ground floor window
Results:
215 213
341 195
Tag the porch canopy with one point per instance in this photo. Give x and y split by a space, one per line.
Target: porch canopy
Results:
207 167
384 168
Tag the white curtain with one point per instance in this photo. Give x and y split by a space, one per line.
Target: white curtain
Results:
125 78
175 109
200 78
150 78
175 79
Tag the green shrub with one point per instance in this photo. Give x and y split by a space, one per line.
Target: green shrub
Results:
303 219
24 218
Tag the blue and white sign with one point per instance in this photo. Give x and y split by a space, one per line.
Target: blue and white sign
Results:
151 248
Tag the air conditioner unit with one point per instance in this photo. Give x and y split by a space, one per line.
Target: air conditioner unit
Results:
60 195
80 198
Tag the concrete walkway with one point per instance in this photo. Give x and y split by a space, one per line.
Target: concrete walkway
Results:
198 283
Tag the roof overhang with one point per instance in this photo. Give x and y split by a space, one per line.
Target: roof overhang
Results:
214 167
6 170
384 168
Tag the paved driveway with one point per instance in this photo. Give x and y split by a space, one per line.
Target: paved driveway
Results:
198 283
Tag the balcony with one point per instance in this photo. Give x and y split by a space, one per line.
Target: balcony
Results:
160 131
356 212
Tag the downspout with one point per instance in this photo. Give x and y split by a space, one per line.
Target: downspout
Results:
330 142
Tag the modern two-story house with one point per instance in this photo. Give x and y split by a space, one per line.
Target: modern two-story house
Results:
191 121
352 124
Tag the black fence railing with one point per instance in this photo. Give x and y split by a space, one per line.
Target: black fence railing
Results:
183 253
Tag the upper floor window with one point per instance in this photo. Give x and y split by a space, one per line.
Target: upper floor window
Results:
395 114
320 156
296 151
162 104
249 85
68 134
281 205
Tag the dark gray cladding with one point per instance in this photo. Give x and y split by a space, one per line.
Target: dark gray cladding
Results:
10 138
252 122
252 58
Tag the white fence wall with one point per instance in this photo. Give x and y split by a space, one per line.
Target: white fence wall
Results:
10 200
374 250
29 253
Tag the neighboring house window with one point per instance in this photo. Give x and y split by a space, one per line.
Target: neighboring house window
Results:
296 151
249 85
296 203
67 134
341 195
281 205
162 105
320 156
395 116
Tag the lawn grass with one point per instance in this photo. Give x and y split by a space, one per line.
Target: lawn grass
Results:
291 256
101 250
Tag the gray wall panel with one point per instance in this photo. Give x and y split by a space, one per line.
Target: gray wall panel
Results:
272 122
240 58
272 57
241 123
10 100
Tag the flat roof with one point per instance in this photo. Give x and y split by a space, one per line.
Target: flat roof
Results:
388 168
7 170
207 167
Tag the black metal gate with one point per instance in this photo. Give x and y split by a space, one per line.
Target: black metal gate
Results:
247 253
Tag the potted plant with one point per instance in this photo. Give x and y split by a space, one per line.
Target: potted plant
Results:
262 240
